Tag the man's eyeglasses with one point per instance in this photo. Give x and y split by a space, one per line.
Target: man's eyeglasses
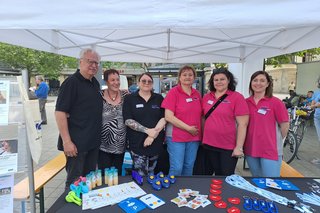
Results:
91 62
144 81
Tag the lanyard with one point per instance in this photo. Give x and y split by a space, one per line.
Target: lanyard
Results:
240 182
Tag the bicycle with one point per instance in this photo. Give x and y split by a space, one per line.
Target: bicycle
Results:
298 119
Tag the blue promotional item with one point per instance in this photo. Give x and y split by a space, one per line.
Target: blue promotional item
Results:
152 201
160 175
132 205
247 203
256 204
278 184
137 177
151 178
156 185
172 178
165 182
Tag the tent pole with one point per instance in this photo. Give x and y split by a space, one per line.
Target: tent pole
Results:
25 79
31 178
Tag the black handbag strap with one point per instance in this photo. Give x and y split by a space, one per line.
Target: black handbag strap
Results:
215 106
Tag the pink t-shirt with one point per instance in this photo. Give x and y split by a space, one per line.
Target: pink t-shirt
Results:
220 129
261 140
186 108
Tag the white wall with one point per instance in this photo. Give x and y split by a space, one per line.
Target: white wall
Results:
307 75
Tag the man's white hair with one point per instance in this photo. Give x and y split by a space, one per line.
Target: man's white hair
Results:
39 77
89 50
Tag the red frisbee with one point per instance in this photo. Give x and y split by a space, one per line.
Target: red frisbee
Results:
216 181
215 191
215 186
215 197
234 200
233 210
220 204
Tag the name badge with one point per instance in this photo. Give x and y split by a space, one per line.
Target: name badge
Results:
189 100
139 106
210 102
262 111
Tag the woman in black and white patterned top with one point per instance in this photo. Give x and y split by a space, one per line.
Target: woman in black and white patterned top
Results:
113 135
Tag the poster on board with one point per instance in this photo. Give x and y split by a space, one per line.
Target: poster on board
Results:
4 101
6 193
8 156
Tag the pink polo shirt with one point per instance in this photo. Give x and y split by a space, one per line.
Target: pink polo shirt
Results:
220 128
261 133
186 108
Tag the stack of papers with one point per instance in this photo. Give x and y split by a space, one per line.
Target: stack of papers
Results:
110 195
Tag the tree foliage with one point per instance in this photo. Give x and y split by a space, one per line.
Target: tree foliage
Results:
112 65
290 58
34 61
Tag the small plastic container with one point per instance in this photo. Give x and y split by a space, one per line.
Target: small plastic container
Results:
110 178
99 177
106 172
115 177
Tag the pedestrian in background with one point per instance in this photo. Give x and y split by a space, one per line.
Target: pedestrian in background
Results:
315 104
41 91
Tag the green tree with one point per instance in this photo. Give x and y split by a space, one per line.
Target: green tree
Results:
290 58
34 61
112 65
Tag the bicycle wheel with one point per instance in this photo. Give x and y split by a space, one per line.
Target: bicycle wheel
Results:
300 131
290 147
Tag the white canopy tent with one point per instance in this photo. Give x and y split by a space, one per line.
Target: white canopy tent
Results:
153 31
230 31
238 32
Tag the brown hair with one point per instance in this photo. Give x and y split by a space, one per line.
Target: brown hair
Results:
269 89
109 72
184 68
232 81
147 74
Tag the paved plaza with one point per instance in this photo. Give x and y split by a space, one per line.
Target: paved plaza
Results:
309 149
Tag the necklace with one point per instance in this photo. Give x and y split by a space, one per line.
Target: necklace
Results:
112 99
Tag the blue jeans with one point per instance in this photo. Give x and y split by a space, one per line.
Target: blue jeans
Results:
262 167
317 125
182 156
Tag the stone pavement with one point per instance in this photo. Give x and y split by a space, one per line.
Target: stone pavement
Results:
308 150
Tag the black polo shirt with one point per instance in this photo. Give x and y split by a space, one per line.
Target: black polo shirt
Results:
147 114
81 99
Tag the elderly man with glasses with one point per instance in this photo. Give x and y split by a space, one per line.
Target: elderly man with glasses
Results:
79 116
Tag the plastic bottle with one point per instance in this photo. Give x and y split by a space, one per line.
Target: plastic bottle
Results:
106 172
110 178
93 180
88 182
115 177
99 177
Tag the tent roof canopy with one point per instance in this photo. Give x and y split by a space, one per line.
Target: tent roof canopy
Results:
170 32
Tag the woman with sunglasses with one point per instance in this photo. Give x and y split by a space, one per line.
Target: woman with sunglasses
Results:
145 123
113 134
183 110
